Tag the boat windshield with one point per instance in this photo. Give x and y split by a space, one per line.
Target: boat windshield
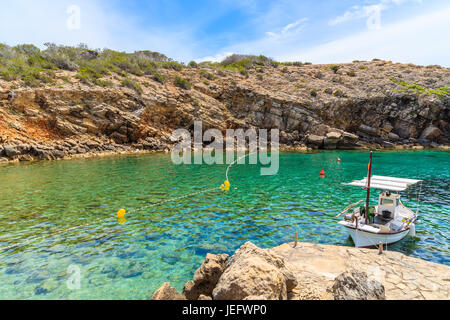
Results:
387 202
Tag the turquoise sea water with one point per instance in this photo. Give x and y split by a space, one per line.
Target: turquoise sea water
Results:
63 214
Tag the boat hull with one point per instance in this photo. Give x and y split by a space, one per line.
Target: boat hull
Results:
368 239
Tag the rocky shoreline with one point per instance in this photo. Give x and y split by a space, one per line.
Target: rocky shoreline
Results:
374 105
313 272
19 151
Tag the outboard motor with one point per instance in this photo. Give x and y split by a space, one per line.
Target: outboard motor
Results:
387 205
387 215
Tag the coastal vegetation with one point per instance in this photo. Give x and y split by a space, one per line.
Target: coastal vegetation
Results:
35 67
182 82
440 92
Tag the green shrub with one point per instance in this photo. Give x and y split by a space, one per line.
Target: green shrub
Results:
193 64
130 83
105 83
314 93
351 73
259 77
338 93
91 72
159 77
242 63
221 73
182 82
334 67
440 92
173 65
206 75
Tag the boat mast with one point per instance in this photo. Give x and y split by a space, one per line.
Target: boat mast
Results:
368 190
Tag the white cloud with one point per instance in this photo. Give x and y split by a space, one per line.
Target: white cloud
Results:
290 29
359 12
216 58
419 40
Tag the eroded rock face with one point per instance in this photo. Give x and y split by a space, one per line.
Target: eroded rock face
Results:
254 272
167 292
356 285
351 101
206 277
431 133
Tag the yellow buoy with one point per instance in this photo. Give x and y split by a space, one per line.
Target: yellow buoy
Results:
225 186
121 213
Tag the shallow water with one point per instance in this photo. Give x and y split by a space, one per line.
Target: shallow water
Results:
62 214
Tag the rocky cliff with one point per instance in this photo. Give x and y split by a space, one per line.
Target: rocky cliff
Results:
313 272
375 104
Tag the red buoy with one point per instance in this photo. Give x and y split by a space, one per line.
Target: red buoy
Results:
322 172
338 159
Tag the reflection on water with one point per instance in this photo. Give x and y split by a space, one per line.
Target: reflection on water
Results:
67 212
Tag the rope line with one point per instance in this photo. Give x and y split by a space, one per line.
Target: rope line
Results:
235 161
418 199
26 242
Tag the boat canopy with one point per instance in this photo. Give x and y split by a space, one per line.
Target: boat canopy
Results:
385 183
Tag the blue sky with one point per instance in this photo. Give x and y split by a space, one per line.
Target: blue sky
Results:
413 31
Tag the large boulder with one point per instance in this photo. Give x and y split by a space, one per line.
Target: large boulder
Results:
11 151
393 137
206 277
348 140
314 140
255 272
356 285
167 292
431 133
331 140
368 130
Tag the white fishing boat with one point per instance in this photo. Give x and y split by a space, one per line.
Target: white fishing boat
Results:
387 222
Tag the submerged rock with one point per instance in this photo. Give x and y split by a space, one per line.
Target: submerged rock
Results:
167 292
256 272
134 270
46 287
38 276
